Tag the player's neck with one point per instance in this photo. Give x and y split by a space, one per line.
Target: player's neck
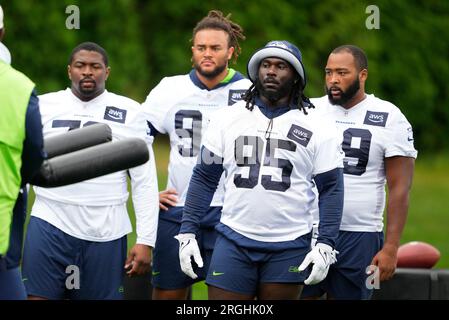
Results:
355 100
275 104
211 83
86 98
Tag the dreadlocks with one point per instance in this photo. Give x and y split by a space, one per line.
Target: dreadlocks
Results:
297 97
216 20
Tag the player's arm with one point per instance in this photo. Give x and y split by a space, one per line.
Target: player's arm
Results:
399 173
205 178
32 156
204 182
167 197
330 188
33 146
145 201
328 176
155 110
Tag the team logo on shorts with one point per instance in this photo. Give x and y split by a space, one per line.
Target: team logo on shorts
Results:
300 135
115 114
376 118
234 96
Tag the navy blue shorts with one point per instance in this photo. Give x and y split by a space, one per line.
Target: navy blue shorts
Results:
347 277
238 269
59 266
166 272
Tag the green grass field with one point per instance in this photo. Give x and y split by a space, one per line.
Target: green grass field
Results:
428 218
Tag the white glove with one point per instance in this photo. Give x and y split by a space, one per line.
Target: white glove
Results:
321 256
188 247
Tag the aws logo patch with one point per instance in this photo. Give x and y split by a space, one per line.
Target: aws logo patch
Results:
376 118
115 114
234 96
300 135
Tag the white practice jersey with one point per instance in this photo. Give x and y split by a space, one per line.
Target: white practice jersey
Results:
95 209
181 109
371 131
269 174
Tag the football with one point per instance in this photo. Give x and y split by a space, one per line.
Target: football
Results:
417 254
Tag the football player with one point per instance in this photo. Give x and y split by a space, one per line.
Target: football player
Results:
273 153
378 144
81 229
180 106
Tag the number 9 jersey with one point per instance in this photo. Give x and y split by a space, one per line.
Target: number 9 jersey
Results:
372 130
180 106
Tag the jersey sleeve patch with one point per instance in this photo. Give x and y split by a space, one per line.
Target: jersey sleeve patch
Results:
300 135
373 118
234 96
115 114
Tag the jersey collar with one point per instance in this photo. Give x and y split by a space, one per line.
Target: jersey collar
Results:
354 108
69 90
231 77
269 112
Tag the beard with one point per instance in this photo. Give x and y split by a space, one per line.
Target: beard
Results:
89 90
210 74
86 93
274 95
345 96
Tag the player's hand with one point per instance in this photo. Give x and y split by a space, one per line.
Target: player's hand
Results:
188 248
168 198
386 260
139 260
321 256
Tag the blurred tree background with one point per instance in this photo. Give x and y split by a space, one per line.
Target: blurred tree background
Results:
147 40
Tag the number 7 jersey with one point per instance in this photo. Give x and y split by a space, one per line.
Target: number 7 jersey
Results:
370 131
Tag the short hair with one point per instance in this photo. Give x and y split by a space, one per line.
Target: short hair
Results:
89 46
359 55
216 20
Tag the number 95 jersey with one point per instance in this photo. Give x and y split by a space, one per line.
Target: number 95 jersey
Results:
269 166
372 130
